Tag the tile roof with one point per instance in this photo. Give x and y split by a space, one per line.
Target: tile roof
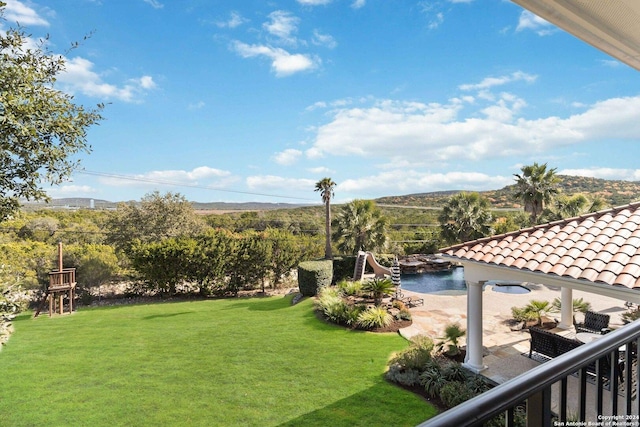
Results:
602 247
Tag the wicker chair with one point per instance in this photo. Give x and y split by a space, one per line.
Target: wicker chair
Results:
596 323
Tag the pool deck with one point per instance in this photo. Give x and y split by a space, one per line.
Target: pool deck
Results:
499 340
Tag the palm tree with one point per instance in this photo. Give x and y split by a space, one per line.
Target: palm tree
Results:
536 186
464 217
571 206
378 288
325 186
361 227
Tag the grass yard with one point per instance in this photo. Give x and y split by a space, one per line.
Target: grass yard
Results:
236 362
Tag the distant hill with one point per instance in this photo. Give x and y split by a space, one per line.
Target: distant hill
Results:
614 193
86 203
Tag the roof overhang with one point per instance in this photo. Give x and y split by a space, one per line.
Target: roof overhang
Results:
479 272
612 26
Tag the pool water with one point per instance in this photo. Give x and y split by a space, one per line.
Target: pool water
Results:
450 281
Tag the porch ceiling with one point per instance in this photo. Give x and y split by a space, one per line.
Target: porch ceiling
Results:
598 252
611 26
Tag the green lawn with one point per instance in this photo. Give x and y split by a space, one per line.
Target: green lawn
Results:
230 362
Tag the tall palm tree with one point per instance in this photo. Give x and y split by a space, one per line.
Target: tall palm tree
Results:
361 227
326 186
464 217
536 186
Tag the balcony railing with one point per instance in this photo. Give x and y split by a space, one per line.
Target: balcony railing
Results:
613 395
64 279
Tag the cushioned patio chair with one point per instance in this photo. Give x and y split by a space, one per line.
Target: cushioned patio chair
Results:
596 323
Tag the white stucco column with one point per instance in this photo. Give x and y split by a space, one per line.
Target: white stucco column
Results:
566 309
473 359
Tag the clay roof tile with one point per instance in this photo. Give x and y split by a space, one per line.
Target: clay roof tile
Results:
558 269
573 271
606 277
519 263
589 274
626 280
544 267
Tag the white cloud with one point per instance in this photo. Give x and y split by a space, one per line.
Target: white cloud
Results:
279 184
79 76
71 191
283 25
283 63
16 11
196 105
436 21
433 134
200 176
529 21
235 20
287 157
320 39
490 82
611 63
403 181
357 4
154 3
321 170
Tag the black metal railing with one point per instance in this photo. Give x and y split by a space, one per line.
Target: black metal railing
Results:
607 365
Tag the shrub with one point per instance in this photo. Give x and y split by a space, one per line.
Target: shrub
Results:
630 316
521 314
349 287
332 305
455 372
313 275
432 379
352 314
454 393
398 304
343 267
13 300
477 384
406 377
416 357
404 315
374 317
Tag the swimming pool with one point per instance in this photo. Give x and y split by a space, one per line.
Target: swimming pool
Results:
450 282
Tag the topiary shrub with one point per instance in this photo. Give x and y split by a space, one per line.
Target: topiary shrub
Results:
313 275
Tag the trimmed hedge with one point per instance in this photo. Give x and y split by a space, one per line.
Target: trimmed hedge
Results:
313 275
343 267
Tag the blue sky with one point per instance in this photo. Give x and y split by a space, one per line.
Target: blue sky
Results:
257 100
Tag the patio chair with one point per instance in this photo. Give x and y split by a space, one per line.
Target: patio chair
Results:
596 323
